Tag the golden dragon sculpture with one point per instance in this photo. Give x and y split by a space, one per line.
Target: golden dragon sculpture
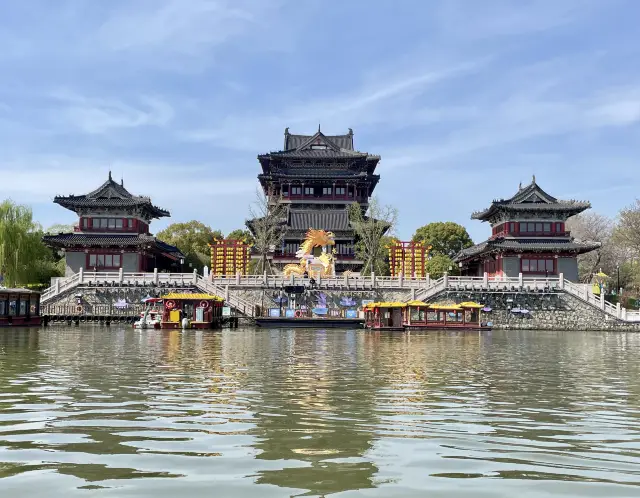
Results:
316 255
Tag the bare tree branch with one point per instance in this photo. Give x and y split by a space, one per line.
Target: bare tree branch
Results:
370 228
268 228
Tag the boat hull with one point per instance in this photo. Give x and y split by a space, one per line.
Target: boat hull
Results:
314 323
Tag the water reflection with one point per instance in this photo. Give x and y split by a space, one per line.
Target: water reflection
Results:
298 412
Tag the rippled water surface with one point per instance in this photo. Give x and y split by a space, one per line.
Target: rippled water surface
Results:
280 413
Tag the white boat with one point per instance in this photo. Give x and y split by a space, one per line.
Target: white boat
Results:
151 317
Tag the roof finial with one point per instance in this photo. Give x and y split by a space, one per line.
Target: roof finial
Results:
122 180
520 186
318 127
110 179
534 179
286 131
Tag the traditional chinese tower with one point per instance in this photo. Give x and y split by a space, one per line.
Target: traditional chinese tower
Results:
113 233
318 176
528 237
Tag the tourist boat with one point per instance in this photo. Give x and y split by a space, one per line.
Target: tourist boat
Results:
384 315
191 311
151 317
19 307
421 315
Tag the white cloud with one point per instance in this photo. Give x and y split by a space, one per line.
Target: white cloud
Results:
180 26
95 115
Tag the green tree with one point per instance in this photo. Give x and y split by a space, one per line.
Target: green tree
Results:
193 239
445 237
243 235
439 264
59 228
24 259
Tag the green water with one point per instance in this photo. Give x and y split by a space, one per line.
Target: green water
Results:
258 413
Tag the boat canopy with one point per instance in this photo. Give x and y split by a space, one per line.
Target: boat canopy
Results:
187 296
471 304
395 304
417 303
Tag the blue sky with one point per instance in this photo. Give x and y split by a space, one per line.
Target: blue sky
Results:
462 99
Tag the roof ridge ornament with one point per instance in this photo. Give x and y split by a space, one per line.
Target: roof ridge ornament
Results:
534 179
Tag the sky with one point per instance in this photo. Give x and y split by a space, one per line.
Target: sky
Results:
462 99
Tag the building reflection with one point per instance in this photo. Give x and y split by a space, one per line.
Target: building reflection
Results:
316 412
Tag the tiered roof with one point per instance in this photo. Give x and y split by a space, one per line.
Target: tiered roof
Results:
110 195
318 147
501 244
118 241
529 198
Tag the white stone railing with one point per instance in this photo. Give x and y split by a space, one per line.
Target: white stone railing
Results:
421 288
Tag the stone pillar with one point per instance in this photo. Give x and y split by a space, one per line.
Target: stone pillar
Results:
428 280
237 278
561 280
56 285
155 276
319 279
373 279
618 310
264 277
601 299
445 279
400 279
194 279
121 275
226 294
80 275
624 314
413 293
520 279
485 279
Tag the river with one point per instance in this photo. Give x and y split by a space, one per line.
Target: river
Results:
113 412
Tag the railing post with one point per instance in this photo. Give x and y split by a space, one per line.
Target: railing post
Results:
624 314
319 279
237 278
400 279
80 275
264 277
120 275
618 310
155 276
485 279
373 279
602 299
561 280
445 280
413 293
520 279
226 293
428 280
56 286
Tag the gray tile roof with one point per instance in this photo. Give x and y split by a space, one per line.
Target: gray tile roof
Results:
330 219
115 240
531 198
110 195
292 142
525 245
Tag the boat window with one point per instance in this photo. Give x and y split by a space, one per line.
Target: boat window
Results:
23 307
3 307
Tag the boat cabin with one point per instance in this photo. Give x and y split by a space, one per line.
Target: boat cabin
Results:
201 311
423 315
384 315
19 307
